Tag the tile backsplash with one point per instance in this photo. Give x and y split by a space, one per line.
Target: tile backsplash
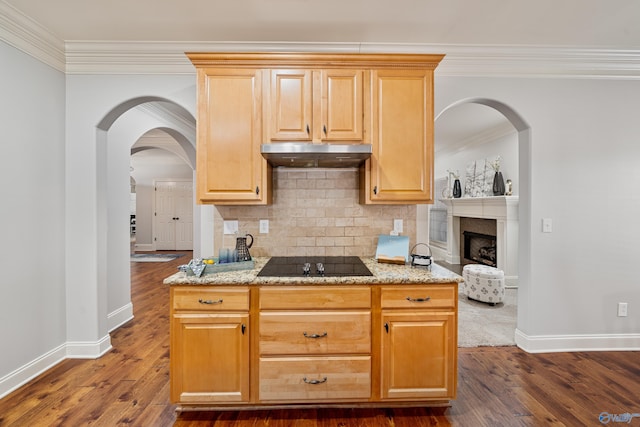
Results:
314 212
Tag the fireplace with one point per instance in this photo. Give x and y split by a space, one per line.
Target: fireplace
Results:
500 216
479 249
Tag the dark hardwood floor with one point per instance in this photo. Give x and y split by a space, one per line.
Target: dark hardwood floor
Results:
501 386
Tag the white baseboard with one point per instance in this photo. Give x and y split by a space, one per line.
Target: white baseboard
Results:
119 317
26 373
149 247
88 349
572 343
69 350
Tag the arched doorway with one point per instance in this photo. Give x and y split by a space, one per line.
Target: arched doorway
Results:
524 189
116 134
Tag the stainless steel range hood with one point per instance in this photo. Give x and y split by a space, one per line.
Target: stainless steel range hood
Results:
308 155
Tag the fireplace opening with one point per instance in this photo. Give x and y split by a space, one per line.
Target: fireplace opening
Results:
480 248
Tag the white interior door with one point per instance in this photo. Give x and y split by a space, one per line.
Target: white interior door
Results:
183 208
174 215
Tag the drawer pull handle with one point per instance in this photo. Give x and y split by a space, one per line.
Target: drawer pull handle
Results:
418 299
314 335
210 302
324 380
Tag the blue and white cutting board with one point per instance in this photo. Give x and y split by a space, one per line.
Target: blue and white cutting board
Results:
393 246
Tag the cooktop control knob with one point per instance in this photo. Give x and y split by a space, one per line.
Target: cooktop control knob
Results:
320 268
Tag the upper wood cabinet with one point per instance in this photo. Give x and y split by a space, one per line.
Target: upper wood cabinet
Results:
247 99
229 166
401 166
315 105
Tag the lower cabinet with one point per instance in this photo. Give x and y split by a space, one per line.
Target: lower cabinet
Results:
315 379
209 356
419 342
320 345
417 359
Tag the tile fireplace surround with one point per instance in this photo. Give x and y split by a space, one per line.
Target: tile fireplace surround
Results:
504 209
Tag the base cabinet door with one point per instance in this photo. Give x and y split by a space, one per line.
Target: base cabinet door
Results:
210 358
418 355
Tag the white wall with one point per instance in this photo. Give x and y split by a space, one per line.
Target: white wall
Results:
584 174
32 213
151 166
93 292
505 146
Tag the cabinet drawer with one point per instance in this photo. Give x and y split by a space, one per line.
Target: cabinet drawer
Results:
315 378
416 297
196 298
314 297
326 332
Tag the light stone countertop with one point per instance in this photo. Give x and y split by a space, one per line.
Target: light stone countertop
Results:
382 274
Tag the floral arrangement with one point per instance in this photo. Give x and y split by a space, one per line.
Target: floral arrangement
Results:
495 165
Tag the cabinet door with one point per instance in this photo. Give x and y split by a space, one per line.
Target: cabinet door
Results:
419 355
290 105
230 168
342 106
401 166
209 358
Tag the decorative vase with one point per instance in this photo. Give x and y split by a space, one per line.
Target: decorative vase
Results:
498 184
457 189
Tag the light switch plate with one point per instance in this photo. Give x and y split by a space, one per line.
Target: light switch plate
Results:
264 226
230 227
397 225
547 225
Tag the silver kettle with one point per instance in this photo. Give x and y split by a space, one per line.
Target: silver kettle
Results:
242 248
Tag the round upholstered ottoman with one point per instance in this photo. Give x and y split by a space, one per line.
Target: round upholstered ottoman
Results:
483 283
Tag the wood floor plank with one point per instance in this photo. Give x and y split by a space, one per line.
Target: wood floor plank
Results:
497 386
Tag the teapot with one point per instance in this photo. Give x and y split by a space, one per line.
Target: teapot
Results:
242 249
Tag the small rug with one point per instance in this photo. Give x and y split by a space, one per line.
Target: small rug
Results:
480 324
154 257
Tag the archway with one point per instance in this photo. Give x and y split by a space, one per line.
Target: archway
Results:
524 207
116 133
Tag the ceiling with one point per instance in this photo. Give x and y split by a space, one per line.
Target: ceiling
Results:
585 24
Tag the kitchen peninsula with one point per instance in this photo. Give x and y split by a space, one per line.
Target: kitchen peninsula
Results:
242 341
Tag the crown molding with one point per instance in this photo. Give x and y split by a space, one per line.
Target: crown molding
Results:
25 34
138 57
467 61
491 134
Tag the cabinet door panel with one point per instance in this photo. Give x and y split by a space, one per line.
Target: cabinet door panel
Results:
210 358
401 167
290 105
342 105
229 164
419 355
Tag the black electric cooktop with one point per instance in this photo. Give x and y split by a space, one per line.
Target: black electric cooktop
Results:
314 266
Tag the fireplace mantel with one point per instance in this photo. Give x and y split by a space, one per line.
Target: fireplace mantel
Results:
504 209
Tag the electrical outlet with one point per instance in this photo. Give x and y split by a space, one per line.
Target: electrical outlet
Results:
397 225
230 227
622 309
264 226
